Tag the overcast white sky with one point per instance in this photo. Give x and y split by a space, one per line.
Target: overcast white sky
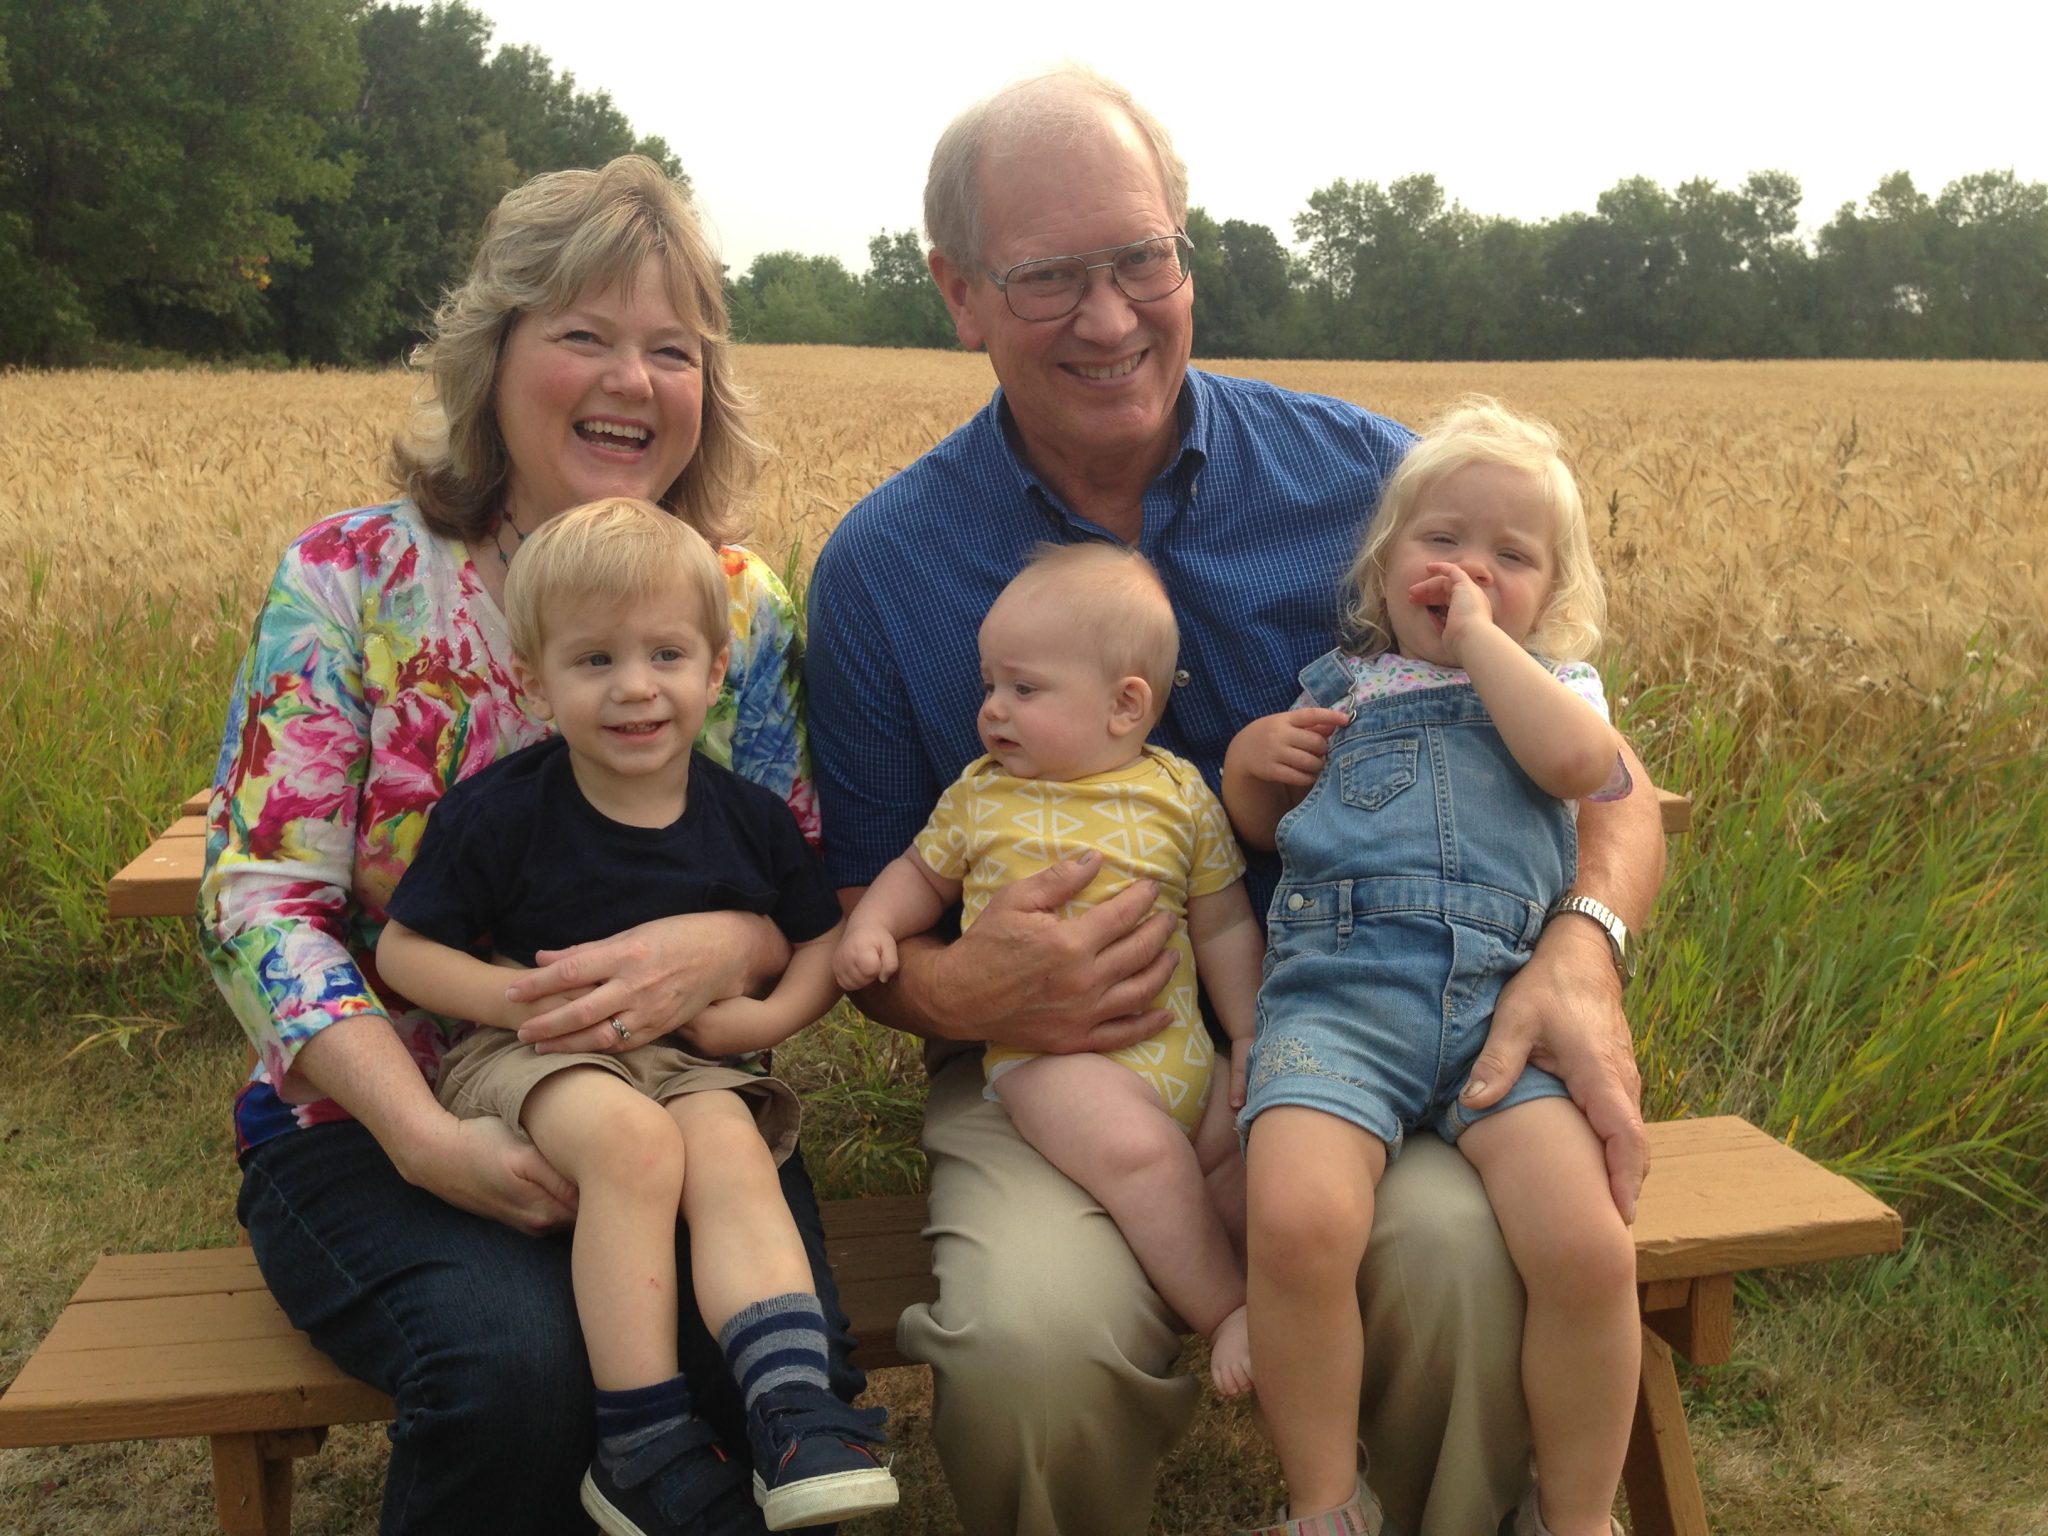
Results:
807 126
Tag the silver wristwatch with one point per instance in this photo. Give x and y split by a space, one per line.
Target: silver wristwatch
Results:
1615 929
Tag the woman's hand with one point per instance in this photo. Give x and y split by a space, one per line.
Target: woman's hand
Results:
488 1169
650 978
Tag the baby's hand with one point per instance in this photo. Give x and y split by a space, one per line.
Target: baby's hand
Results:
1240 1058
1465 602
865 956
1287 748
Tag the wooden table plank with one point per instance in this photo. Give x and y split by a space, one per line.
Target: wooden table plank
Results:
1723 1197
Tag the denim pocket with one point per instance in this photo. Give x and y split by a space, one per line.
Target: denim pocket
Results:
1372 774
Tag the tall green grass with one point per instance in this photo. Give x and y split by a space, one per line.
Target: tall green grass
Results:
1852 947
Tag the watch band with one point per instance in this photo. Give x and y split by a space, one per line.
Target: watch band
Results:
1611 925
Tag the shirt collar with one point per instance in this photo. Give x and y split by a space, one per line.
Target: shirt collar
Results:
1194 411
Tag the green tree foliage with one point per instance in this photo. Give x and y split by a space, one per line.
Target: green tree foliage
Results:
429 160
787 296
307 178
900 304
149 147
550 125
437 133
1243 290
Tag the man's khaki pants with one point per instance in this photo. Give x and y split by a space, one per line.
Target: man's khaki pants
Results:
1052 1406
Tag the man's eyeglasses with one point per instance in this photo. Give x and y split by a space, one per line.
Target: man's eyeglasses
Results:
1143 271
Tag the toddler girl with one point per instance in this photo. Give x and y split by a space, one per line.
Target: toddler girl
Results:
1421 795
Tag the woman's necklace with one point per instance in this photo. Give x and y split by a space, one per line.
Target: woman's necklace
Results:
498 539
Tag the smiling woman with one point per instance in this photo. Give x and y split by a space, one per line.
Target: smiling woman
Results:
586 355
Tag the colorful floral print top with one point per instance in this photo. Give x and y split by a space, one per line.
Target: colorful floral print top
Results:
379 674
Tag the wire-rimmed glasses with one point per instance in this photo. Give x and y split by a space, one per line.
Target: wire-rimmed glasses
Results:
1053 286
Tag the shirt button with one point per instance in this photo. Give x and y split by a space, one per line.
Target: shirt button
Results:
1181 678
1296 902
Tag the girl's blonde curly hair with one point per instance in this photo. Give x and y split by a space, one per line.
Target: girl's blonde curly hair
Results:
1480 430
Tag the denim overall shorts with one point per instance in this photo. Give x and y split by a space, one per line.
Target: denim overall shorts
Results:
1415 875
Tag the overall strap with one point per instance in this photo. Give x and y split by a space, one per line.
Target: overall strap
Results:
1327 681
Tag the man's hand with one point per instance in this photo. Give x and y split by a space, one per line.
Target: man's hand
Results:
1024 976
1562 1011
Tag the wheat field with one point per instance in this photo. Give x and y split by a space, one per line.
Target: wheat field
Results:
1796 536
1828 623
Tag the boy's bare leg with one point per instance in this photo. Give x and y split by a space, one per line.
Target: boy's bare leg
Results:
744 1245
1582 1339
626 1159
1105 1128
1310 1179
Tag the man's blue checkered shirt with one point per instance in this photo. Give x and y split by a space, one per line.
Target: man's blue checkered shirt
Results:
1252 526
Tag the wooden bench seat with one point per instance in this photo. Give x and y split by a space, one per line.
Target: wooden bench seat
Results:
164 1345
169 1345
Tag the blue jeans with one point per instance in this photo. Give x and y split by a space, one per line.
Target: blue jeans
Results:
471 1327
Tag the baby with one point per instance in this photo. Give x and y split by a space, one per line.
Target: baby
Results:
1077 659
617 612
1422 797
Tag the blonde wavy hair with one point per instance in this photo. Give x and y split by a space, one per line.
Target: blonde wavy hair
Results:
548 242
617 550
1480 430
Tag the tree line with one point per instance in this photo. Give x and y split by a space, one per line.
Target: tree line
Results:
300 180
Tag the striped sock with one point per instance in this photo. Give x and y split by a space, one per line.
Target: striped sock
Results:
779 1342
630 1420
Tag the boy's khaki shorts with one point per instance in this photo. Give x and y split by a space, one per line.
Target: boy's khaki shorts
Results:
493 1071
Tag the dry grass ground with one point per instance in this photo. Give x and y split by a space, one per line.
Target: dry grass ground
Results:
1819 572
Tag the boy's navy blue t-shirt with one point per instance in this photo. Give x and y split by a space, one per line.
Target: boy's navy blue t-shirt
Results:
515 860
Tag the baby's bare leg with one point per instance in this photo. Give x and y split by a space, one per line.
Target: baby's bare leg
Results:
1582 1341
744 1245
1105 1128
626 1159
1311 1178
1222 1160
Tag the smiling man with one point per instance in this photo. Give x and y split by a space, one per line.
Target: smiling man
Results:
1055 211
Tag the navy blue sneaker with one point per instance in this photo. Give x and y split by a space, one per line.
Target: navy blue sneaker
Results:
680 1484
814 1460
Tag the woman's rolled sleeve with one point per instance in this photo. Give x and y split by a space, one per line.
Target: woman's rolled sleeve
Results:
276 900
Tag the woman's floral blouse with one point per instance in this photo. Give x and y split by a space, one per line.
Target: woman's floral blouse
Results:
379 674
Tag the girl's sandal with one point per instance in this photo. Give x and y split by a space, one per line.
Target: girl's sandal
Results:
1360 1516
1529 1518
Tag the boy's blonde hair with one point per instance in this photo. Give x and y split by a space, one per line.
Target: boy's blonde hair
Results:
1117 601
617 549
1480 430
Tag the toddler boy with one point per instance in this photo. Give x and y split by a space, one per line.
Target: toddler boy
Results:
617 613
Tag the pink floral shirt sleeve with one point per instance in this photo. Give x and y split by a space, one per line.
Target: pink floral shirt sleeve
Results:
378 675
